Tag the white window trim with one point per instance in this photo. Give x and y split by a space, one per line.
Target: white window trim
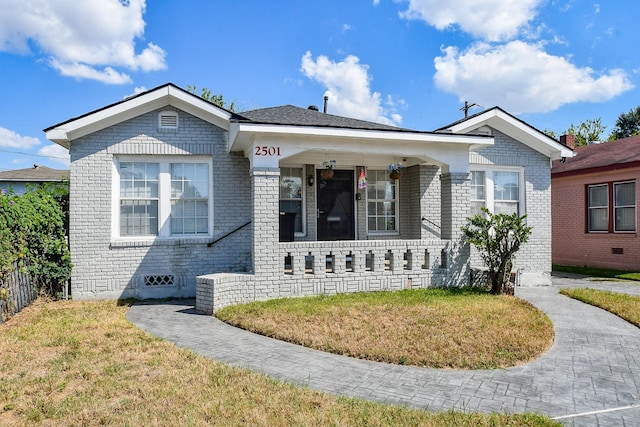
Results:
395 232
164 197
303 233
488 177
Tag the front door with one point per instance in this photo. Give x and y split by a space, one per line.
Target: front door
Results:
336 206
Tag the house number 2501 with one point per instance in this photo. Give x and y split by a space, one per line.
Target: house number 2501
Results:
266 150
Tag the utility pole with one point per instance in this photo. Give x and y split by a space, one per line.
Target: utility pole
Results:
467 107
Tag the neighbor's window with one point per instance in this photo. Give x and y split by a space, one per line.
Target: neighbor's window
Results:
382 202
598 207
499 190
163 198
291 189
189 198
611 207
138 199
625 206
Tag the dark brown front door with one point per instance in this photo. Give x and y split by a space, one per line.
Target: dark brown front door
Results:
336 206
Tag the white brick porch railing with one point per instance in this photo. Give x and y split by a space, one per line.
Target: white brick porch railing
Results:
331 267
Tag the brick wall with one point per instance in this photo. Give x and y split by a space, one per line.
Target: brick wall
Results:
108 268
533 261
572 244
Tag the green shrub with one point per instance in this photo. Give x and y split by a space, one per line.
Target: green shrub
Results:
32 234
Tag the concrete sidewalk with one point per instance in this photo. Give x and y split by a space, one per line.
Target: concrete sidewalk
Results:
590 376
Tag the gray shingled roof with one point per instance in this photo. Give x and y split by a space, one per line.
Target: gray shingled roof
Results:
295 116
35 174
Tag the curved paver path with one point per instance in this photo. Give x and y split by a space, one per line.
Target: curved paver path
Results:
590 376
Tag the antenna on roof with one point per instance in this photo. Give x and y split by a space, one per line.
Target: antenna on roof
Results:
467 107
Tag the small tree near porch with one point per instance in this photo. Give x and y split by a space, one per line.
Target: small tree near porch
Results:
498 237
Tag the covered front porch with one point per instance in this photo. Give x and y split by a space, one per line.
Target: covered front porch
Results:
359 230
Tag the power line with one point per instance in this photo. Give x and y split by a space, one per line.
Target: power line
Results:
34 155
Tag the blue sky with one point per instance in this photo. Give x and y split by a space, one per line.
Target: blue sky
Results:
410 63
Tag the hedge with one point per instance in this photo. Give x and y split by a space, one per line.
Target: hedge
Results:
32 235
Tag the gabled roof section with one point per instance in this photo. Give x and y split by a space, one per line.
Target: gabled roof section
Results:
35 174
519 130
295 116
612 155
161 96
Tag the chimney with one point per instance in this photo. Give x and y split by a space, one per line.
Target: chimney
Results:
568 141
326 99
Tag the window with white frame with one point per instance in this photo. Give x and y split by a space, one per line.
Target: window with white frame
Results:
499 190
189 198
506 192
478 193
291 193
138 199
611 207
382 202
163 198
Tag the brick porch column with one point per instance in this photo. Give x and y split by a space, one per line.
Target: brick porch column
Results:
456 207
266 221
456 203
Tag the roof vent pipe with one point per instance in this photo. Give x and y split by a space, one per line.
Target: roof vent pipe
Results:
326 99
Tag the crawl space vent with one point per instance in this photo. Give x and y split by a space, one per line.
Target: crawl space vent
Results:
162 280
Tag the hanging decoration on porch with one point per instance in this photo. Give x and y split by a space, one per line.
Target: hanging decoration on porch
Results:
327 173
362 179
395 170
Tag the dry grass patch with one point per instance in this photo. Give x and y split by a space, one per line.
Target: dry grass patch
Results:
437 328
83 363
622 305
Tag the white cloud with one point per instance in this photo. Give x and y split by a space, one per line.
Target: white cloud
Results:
9 138
522 77
85 39
348 88
492 20
56 153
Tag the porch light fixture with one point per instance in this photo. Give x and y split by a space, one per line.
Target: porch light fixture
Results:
310 180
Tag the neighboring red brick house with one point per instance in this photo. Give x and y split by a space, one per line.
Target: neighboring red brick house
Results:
594 206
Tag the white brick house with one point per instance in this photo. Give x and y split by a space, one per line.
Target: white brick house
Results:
174 196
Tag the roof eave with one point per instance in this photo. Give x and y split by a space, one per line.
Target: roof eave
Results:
162 96
243 134
517 129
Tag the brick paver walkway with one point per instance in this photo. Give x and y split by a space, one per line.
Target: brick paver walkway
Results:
590 376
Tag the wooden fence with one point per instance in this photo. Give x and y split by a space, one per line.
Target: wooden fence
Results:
17 291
